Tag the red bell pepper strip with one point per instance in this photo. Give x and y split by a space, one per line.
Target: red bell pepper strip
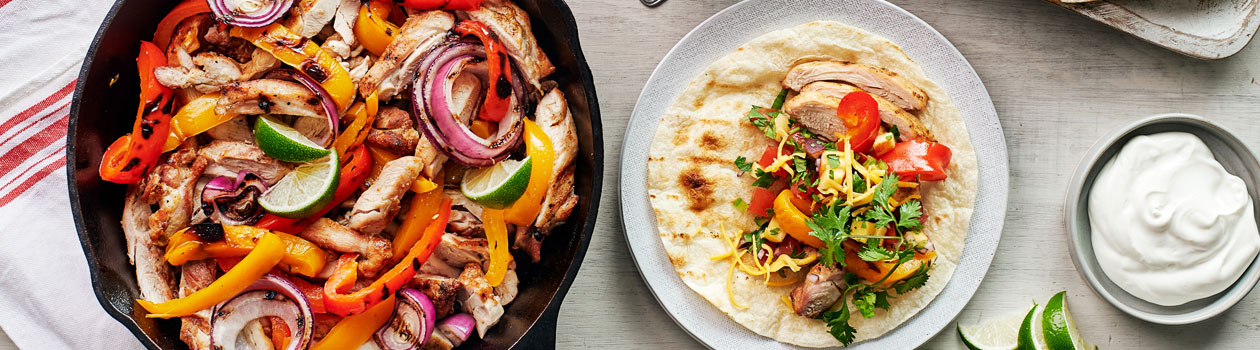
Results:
353 174
129 158
860 114
166 28
462 5
499 89
924 159
338 299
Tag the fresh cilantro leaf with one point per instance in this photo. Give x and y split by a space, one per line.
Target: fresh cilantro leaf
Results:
881 300
864 300
910 213
838 325
764 179
740 204
916 280
778 101
873 251
743 164
859 182
896 133
878 215
754 239
833 161
801 166
831 225
885 190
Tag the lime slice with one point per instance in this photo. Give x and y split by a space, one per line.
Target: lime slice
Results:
1030 337
305 190
1059 328
285 143
499 185
999 333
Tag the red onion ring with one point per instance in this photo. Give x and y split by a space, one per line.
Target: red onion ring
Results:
228 11
224 195
261 300
456 328
412 322
325 99
432 110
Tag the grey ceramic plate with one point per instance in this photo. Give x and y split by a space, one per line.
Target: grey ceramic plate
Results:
1206 29
737 25
1228 150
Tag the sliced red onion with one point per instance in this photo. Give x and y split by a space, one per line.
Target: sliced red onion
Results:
432 108
231 201
813 146
325 99
457 328
270 296
249 13
412 322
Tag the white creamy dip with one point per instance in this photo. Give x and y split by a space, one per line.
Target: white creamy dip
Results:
1169 224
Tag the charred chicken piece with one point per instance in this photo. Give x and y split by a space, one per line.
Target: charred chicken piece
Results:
194 330
374 252
874 80
155 277
308 17
262 96
397 67
441 290
172 186
393 131
379 203
478 298
822 288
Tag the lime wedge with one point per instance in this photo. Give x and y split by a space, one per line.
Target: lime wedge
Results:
1030 337
285 143
499 185
1059 328
305 190
1001 333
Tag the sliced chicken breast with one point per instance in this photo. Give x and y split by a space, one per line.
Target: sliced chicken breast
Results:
308 17
236 129
374 252
379 203
815 107
227 158
478 298
441 290
396 68
172 186
511 24
875 80
194 329
275 96
393 131
155 277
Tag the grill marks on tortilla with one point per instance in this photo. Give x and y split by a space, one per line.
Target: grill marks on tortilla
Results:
711 142
697 188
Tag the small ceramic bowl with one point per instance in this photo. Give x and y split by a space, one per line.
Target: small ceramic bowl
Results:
1229 151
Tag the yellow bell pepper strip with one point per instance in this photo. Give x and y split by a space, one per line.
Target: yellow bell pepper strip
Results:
423 210
129 158
364 114
305 55
353 331
423 184
266 255
373 29
194 118
338 299
792 220
496 234
538 148
300 256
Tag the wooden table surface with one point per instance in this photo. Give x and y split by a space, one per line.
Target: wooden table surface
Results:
1059 83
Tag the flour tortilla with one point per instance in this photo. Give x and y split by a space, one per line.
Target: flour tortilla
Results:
692 180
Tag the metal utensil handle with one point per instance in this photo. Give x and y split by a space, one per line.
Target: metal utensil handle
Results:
651 3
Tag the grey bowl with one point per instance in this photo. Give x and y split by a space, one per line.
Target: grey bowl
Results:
1229 151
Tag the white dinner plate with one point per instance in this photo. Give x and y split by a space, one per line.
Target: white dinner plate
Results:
743 22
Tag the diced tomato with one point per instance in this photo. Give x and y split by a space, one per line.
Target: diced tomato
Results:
762 201
860 114
803 200
924 159
768 156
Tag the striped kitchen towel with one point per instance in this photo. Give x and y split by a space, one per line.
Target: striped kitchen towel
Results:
46 299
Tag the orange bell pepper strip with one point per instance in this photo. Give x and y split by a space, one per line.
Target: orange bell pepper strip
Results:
354 173
354 134
792 220
874 271
498 85
338 299
423 210
300 256
353 331
166 28
538 148
373 28
497 239
303 54
130 157
194 118
266 255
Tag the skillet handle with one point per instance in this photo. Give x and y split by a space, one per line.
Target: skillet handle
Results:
543 334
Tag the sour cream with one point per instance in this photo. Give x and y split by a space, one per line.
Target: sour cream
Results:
1169 224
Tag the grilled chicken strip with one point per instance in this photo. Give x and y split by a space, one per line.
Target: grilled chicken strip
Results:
397 66
554 118
206 72
194 329
821 288
393 131
875 80
227 158
374 252
308 17
506 290
453 252
236 129
815 106
275 96
343 21
378 205
478 298
155 277
511 24
441 290
172 186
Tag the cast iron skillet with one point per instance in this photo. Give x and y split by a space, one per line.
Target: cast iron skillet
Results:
103 111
